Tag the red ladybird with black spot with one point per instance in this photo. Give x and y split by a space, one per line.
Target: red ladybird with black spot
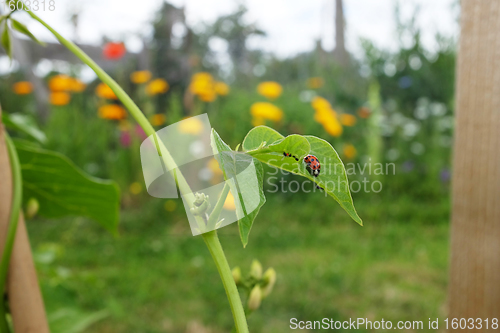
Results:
313 164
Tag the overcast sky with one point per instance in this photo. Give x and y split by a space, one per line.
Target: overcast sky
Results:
292 25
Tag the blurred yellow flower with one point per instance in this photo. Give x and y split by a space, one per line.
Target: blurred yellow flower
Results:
266 110
104 91
347 119
270 89
112 112
170 205
22 87
229 203
77 85
139 77
135 188
319 103
208 96
333 127
157 86
158 119
257 121
349 151
221 88
191 126
60 82
213 166
315 82
59 98
203 85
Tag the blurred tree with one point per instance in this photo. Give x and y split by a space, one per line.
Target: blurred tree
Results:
339 52
171 46
412 71
235 31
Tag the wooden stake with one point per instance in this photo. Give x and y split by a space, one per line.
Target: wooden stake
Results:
25 299
475 234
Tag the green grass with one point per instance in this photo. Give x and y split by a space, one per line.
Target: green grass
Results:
156 277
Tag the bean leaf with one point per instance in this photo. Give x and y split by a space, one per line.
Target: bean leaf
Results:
25 124
332 178
62 189
16 25
249 190
6 41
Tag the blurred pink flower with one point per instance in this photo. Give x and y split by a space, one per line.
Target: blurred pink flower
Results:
125 138
140 132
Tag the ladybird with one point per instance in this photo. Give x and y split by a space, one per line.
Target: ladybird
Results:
313 164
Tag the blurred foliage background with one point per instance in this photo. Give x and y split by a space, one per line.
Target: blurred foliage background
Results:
383 107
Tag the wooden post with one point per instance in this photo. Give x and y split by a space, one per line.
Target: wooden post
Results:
25 299
474 290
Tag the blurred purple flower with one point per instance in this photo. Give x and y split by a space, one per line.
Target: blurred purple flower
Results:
408 166
140 132
125 138
445 175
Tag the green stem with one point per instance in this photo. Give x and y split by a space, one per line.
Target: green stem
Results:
210 238
11 231
233 296
214 216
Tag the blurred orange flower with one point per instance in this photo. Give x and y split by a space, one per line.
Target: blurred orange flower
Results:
349 151
364 112
347 119
104 91
315 82
112 112
158 119
59 98
22 87
221 88
139 77
114 51
157 86
77 85
60 82
266 110
270 89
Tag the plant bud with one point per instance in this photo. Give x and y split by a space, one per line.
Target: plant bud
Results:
32 208
255 298
256 270
269 279
236 275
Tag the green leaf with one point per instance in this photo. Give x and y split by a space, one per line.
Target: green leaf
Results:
272 151
62 189
6 42
16 25
258 135
232 164
73 320
332 178
25 124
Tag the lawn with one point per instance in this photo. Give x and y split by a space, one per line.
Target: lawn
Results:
156 277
